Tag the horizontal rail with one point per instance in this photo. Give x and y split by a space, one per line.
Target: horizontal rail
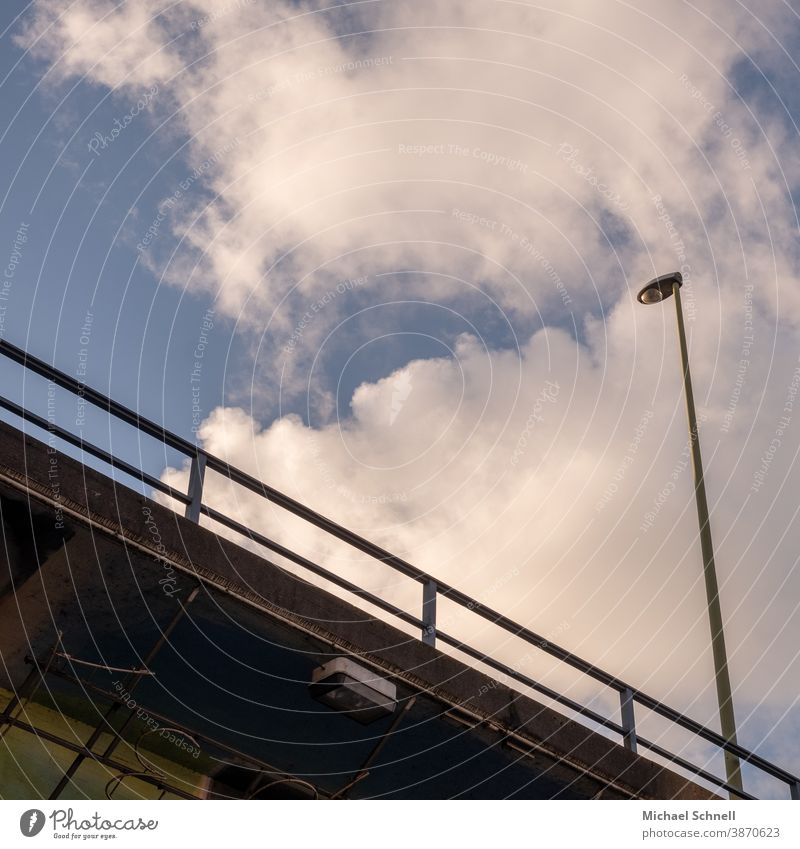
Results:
687 765
119 411
318 520
520 677
298 559
432 587
93 450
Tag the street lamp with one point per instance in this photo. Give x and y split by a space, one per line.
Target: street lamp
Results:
657 290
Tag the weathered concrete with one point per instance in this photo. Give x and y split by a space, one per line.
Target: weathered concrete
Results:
116 518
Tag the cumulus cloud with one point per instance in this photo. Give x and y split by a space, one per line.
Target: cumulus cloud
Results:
550 158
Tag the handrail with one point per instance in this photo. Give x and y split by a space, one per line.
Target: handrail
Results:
432 587
78 387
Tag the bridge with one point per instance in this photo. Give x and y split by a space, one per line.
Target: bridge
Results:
146 655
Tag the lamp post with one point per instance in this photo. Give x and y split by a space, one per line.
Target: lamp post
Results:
657 290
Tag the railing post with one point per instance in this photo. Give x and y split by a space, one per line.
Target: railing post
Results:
628 719
197 474
794 790
429 613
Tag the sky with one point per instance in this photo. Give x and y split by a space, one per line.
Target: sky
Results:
385 257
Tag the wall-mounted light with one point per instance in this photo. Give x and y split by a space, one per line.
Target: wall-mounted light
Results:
353 690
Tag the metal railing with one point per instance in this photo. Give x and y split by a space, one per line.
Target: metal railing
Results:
432 588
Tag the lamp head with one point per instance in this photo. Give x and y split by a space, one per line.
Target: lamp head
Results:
659 288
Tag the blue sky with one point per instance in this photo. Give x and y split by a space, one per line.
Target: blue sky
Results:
75 262
488 188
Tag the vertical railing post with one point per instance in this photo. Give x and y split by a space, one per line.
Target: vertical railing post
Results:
197 474
429 613
628 719
794 790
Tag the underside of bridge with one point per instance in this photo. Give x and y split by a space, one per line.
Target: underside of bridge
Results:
179 665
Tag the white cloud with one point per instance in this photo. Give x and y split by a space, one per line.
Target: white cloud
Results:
326 177
110 44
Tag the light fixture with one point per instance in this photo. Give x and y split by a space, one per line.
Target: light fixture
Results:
353 690
657 290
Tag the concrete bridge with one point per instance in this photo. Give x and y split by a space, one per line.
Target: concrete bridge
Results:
156 658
